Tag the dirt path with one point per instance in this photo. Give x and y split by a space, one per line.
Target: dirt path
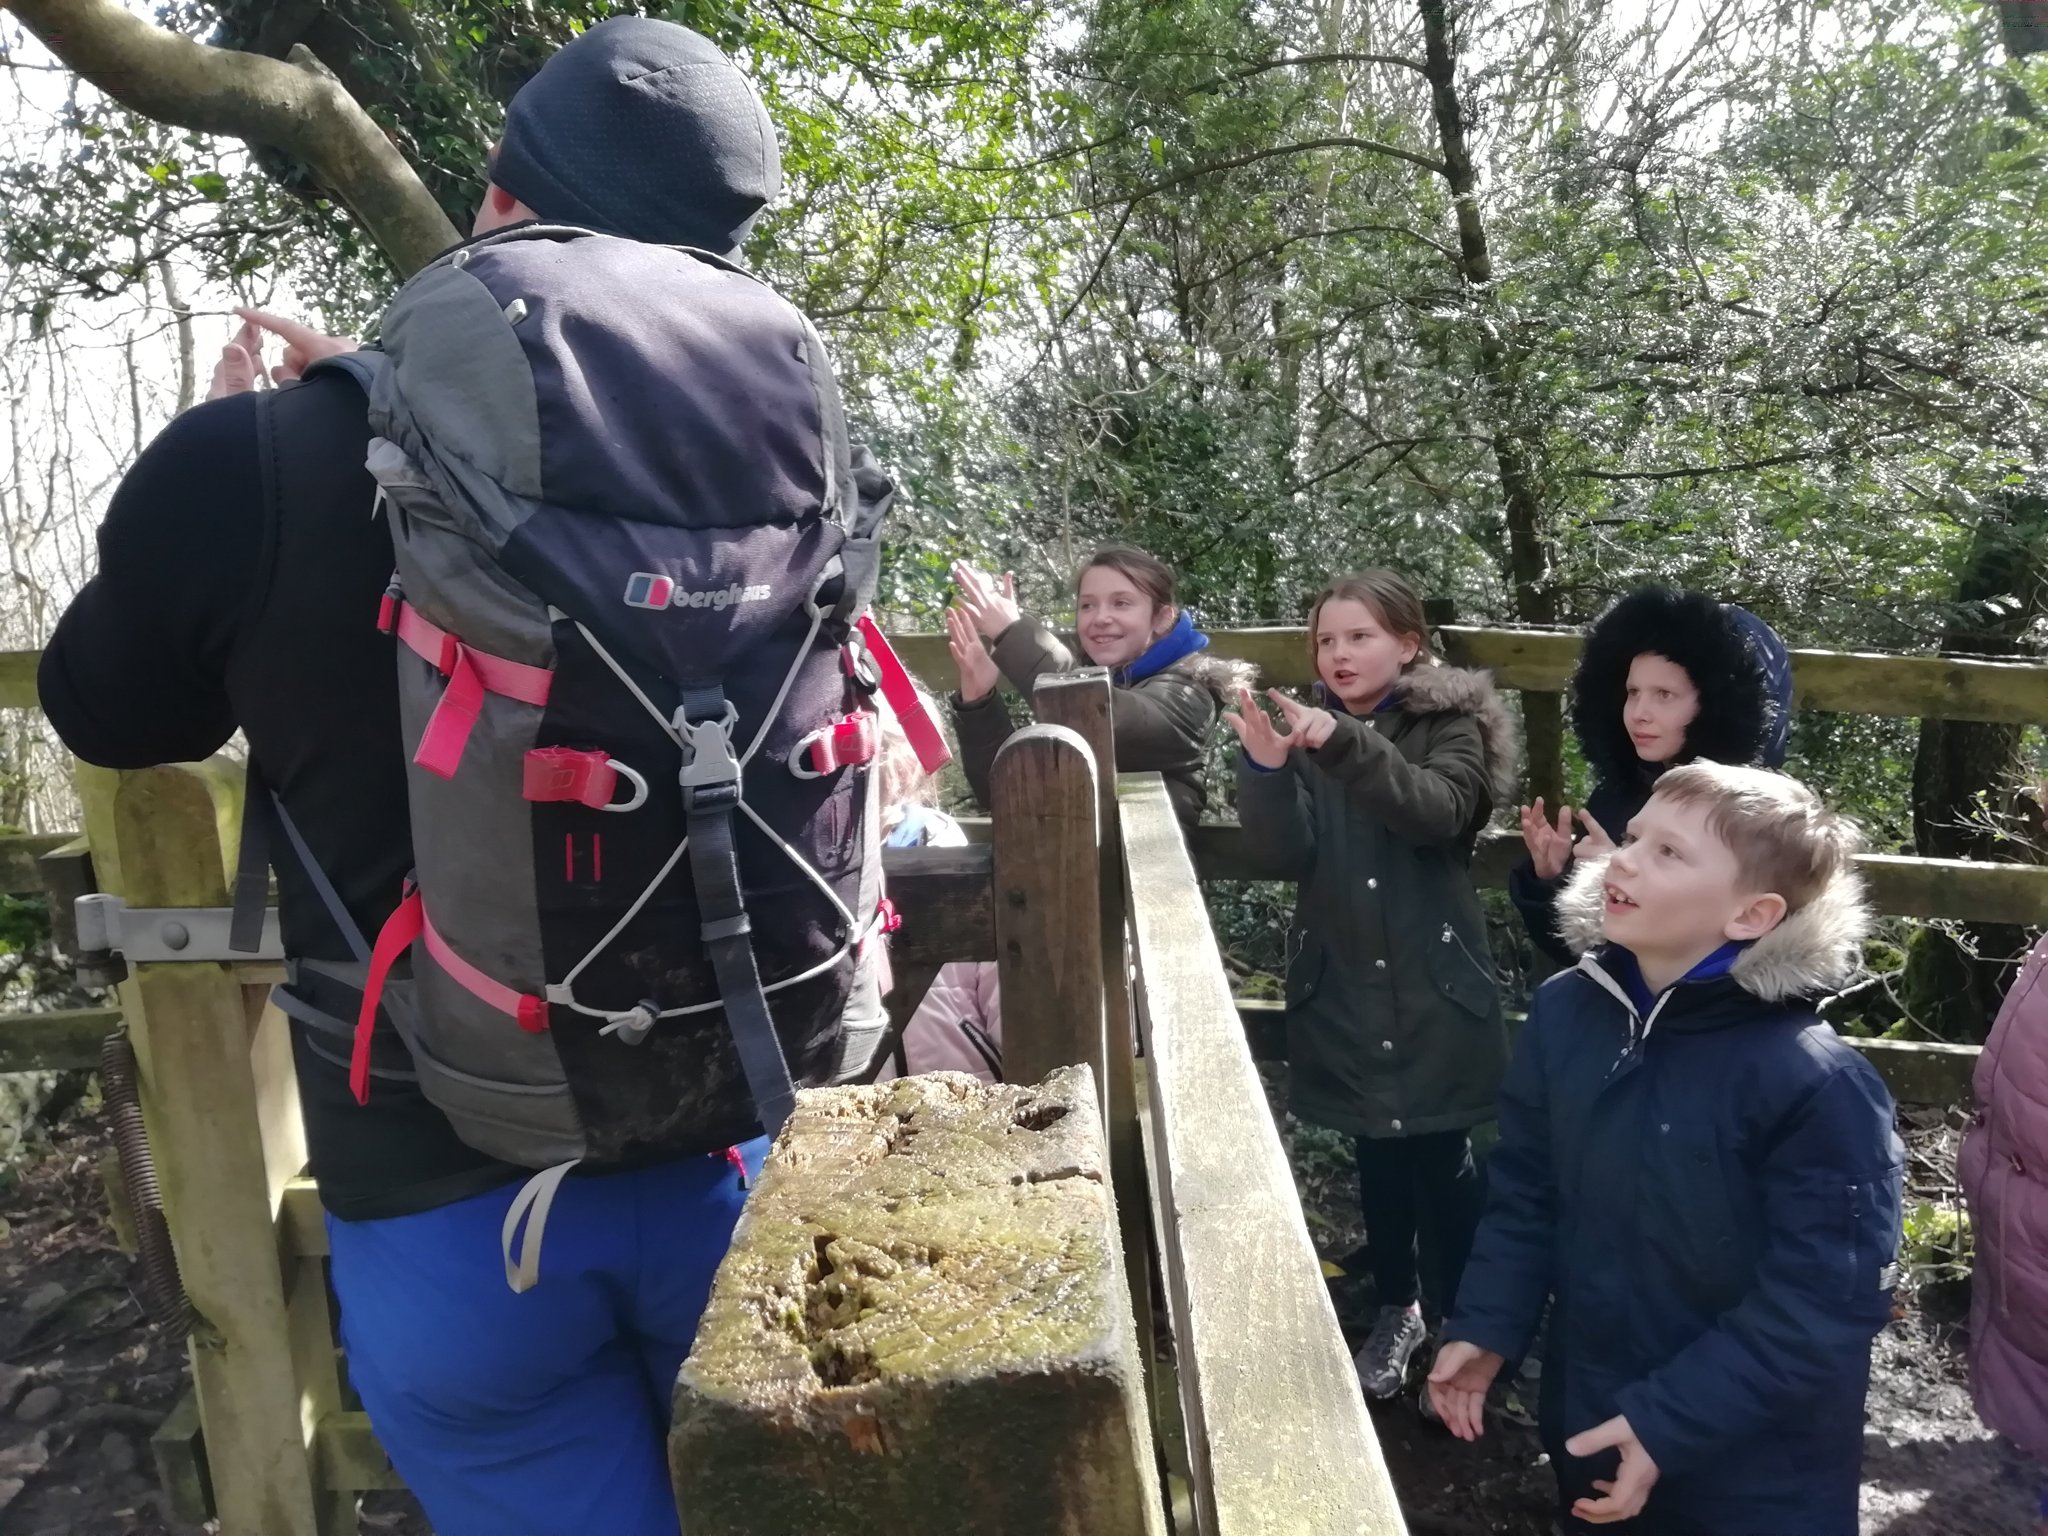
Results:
84 1379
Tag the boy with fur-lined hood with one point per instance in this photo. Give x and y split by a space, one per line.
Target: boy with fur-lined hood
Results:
1665 677
1373 802
1698 1174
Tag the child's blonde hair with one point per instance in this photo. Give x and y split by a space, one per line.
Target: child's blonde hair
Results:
1785 839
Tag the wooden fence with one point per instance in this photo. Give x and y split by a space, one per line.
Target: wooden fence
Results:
1085 898
1085 895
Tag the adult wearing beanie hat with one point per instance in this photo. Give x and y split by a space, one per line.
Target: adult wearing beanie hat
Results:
239 573
642 128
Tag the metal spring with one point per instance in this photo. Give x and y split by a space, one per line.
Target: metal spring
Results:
162 1285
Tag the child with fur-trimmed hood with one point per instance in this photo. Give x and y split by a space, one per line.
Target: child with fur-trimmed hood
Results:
1700 1179
1665 677
1373 802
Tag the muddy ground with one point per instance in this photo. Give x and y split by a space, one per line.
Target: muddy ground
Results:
85 1379
1930 1468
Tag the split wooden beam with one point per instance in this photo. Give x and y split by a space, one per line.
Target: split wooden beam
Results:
1082 702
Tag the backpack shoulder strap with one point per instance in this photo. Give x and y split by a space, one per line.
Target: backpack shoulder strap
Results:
364 365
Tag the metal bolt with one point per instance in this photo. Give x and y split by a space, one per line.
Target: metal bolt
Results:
175 935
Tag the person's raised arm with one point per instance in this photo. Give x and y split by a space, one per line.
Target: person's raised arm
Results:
1428 801
135 674
1272 804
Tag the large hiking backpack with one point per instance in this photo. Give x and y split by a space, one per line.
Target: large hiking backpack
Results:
634 667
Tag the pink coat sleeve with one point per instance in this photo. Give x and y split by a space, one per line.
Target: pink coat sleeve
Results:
959 1025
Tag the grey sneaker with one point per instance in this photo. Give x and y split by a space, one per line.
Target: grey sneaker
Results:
1383 1361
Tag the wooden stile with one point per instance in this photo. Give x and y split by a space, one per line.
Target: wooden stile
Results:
1048 904
211 1096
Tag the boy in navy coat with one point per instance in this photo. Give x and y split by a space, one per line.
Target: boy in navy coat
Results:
1701 1178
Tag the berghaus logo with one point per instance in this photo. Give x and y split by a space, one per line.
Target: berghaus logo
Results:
645 589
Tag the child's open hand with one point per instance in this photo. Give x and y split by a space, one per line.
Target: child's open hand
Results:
977 668
1550 847
1263 744
1310 727
1457 1387
990 603
1624 1498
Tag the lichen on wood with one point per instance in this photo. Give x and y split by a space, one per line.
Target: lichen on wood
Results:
923 1319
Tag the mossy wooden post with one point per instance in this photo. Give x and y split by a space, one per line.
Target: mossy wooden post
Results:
217 1097
922 1326
1048 891
1081 701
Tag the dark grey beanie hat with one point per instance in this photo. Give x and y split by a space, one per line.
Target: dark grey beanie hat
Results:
642 128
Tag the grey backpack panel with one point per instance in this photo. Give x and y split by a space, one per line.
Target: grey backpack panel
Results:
619 475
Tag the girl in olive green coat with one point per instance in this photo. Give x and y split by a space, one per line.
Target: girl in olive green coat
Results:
1373 802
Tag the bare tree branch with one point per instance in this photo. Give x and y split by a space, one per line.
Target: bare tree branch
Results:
296 106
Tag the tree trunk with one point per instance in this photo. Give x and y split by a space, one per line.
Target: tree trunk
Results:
295 106
1517 455
1970 781
1970 778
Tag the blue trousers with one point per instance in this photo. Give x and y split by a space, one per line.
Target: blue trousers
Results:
542 1414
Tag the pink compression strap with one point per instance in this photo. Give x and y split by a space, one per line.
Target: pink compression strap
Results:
473 981
918 726
471 674
393 940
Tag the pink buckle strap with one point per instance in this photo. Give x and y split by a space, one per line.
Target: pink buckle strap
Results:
847 741
471 674
563 773
393 940
400 930
919 728
530 1011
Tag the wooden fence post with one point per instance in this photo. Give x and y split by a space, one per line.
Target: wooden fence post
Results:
220 1103
1048 904
1081 701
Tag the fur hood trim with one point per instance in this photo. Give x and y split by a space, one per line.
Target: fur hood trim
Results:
1436 690
1814 951
1221 675
1735 660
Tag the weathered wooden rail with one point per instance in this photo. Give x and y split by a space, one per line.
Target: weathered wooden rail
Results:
1541 661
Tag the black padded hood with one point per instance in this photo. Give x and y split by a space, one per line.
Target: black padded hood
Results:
1737 662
